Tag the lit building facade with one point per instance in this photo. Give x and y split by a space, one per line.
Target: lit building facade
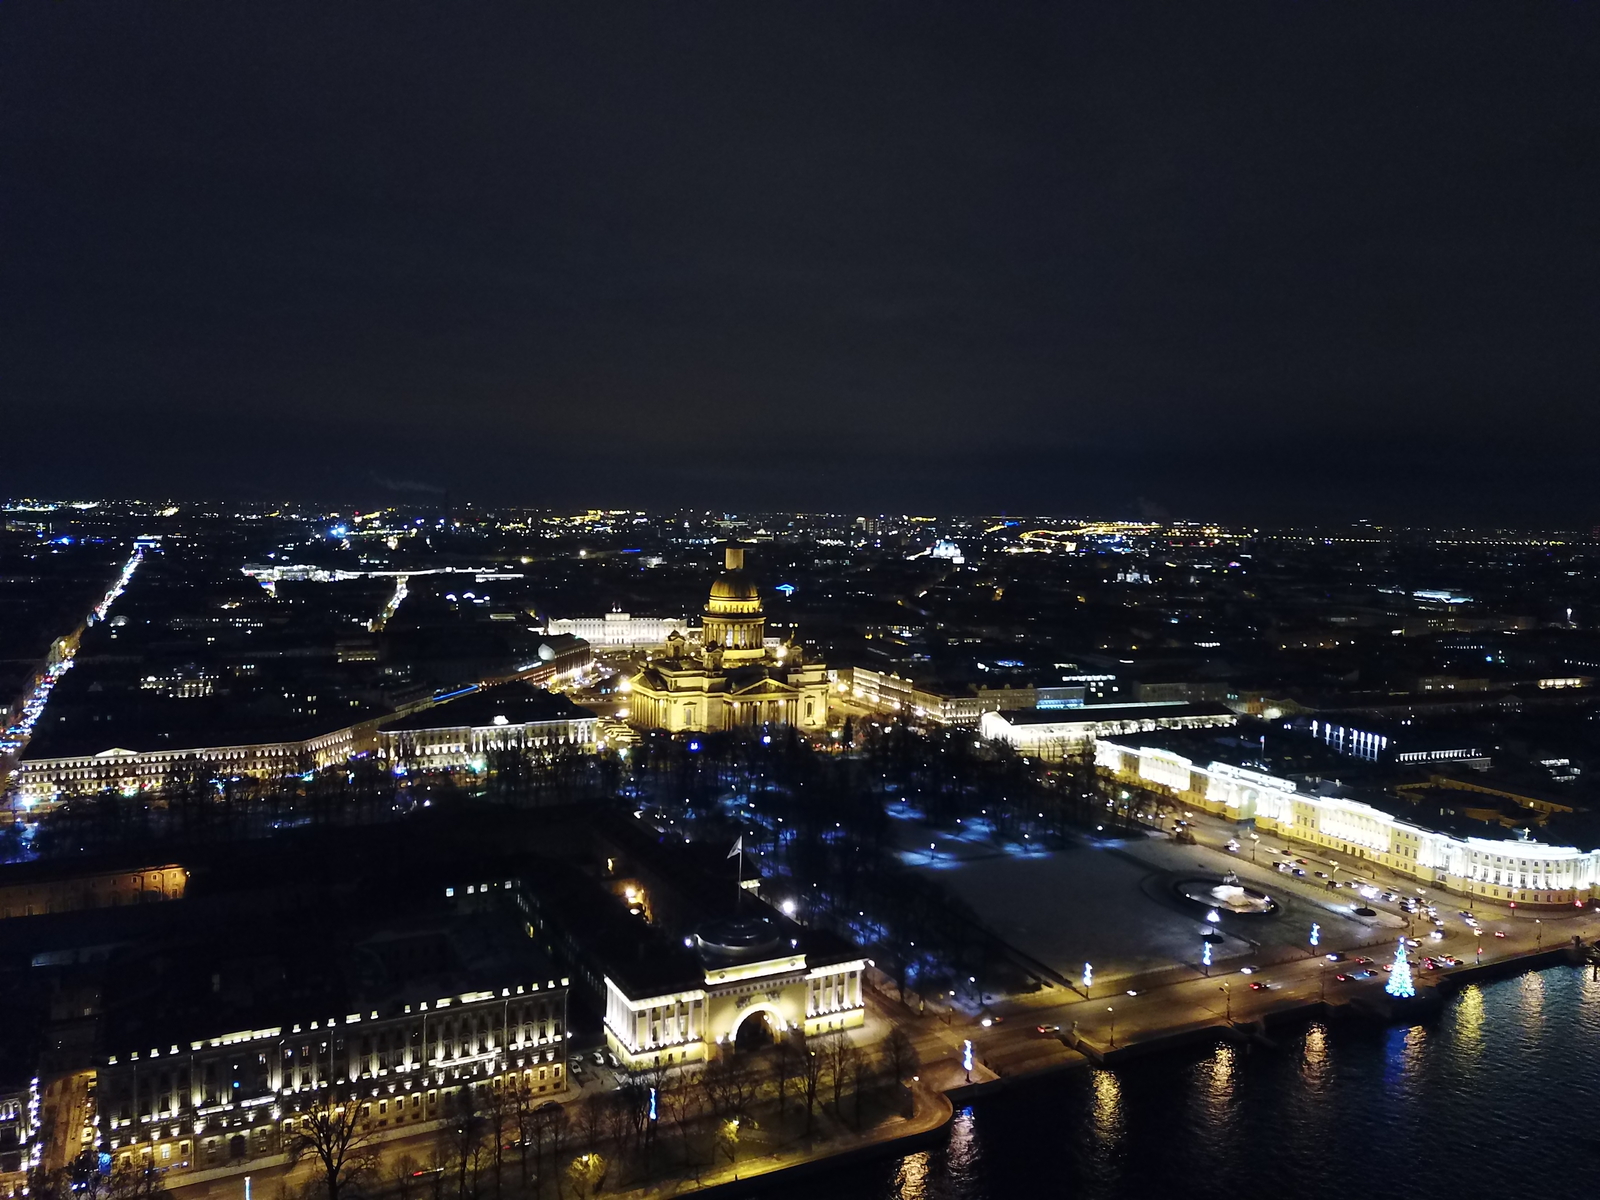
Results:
463 733
736 680
1051 735
224 1100
620 630
1500 869
39 780
95 889
746 978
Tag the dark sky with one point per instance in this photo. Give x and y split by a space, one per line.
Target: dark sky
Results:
1250 261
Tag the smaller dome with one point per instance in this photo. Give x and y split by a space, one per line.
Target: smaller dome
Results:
737 937
734 585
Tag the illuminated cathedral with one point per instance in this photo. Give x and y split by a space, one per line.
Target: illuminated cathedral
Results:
737 678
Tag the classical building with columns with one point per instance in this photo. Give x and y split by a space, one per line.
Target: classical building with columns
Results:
737 679
1510 869
685 965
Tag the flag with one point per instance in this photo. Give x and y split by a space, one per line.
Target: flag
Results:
738 847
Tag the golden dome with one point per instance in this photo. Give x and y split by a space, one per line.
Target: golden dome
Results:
734 585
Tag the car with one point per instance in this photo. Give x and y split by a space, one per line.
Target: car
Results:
1260 985
1412 942
1499 933
1333 956
1233 845
1365 962
599 1058
1342 977
1450 960
1300 871
1363 974
1283 866
1247 970
1047 1029
1323 875
1437 935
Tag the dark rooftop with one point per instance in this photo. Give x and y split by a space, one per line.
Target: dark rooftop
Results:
514 703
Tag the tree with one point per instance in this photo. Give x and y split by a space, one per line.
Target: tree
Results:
783 1064
811 1066
552 1125
465 1127
728 1139
336 1137
900 1054
525 1117
836 1053
586 1173
499 1113
403 1176
1400 985
592 1122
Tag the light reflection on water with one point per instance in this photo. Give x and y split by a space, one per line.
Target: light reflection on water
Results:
1238 1119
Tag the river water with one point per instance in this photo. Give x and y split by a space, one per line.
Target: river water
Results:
1499 1096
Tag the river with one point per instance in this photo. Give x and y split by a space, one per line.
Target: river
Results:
1496 1097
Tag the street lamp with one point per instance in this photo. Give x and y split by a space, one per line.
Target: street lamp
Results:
1540 927
1205 957
1255 840
1111 1013
1227 996
1088 978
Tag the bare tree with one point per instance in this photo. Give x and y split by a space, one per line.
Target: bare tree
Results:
554 1128
587 1174
499 1114
403 1176
336 1137
679 1103
836 1052
900 1054
465 1127
592 1120
857 1064
782 1065
525 1117
811 1067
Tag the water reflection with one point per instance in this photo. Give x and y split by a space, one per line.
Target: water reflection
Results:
1469 1022
911 1177
1315 1063
1530 1005
1404 1055
963 1156
1107 1125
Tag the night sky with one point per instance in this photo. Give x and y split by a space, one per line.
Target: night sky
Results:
1263 262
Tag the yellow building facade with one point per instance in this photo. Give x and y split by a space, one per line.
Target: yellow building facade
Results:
1497 869
736 680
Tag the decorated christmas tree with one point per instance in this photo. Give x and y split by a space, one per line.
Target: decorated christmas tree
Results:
1400 985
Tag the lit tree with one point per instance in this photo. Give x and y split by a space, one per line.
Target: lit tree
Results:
1400 985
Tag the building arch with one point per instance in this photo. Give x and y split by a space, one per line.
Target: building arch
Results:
774 1017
